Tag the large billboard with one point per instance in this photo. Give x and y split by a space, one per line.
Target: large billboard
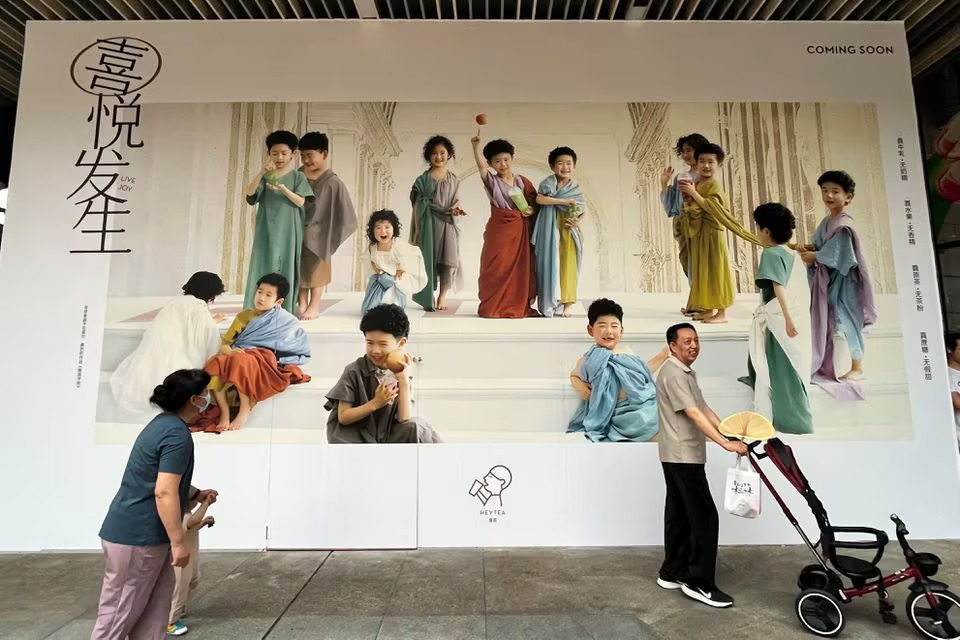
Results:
494 196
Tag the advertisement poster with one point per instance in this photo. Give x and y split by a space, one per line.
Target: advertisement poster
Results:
493 197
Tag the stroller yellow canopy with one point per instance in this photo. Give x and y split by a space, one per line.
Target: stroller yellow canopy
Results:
747 425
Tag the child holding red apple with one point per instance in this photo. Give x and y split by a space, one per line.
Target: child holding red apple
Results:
506 285
371 401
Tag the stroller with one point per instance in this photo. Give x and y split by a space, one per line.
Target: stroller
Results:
822 589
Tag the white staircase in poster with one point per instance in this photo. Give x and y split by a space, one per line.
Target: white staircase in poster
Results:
502 381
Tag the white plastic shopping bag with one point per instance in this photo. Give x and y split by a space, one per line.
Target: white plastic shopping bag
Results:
742 495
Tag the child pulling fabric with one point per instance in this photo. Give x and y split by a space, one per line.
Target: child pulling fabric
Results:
617 388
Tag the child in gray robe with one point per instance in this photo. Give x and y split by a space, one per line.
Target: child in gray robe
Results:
370 403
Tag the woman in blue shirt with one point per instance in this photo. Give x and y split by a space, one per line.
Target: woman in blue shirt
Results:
142 535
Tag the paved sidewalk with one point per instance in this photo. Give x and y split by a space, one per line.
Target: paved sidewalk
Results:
458 594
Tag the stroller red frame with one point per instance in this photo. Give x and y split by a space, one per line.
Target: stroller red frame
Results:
822 589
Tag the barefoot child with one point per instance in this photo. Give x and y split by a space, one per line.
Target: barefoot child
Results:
189 576
183 335
433 226
557 242
705 221
778 364
329 219
617 387
370 403
279 191
506 286
260 353
672 199
398 269
841 293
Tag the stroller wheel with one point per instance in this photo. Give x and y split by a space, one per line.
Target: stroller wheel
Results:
941 620
820 613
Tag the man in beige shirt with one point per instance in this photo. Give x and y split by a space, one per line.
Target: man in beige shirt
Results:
691 524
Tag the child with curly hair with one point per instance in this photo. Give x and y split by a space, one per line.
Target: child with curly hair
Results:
398 269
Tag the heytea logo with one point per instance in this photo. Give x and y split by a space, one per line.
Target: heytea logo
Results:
849 49
490 489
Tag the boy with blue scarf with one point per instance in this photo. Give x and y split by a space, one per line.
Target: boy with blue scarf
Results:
557 240
617 388
259 356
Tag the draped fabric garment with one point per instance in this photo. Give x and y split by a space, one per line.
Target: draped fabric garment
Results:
623 398
506 283
558 251
841 298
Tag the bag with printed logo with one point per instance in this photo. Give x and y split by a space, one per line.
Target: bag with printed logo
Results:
742 495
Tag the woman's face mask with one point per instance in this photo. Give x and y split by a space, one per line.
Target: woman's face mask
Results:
201 403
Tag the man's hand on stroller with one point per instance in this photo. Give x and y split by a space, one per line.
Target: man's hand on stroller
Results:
737 446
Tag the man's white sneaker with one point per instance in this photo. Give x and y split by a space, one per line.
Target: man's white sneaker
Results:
712 597
668 584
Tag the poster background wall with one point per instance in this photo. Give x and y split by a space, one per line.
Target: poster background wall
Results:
206 154
299 494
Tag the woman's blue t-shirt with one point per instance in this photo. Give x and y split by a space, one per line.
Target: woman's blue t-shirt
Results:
164 445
